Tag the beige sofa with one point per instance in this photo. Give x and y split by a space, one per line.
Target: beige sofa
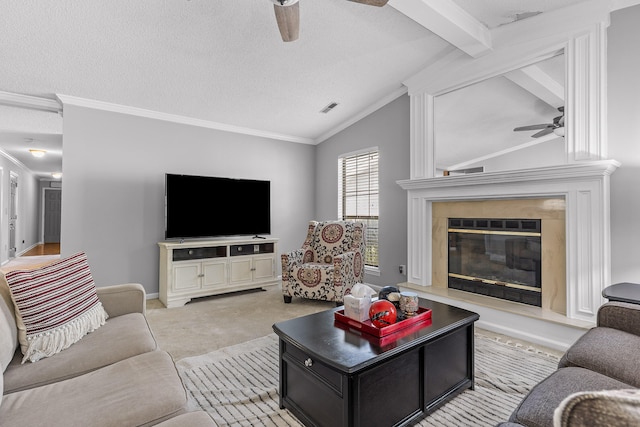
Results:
114 376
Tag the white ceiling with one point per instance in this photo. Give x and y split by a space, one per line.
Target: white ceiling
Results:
219 61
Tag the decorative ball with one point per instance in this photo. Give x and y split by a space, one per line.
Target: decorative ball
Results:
386 290
382 313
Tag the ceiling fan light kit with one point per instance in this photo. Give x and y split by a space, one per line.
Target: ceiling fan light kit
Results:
288 16
37 153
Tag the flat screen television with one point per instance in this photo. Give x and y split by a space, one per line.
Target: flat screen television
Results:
205 206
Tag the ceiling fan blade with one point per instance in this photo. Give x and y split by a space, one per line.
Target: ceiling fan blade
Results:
543 132
288 19
531 127
378 3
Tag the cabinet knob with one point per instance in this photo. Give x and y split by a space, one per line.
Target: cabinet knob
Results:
201 275
308 363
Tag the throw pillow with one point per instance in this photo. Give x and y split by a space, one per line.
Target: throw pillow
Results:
56 305
599 408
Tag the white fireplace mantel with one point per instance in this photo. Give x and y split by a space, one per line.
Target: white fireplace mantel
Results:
585 188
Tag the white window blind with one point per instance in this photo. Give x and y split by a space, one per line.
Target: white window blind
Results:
358 196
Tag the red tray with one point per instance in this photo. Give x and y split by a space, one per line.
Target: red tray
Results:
387 340
366 326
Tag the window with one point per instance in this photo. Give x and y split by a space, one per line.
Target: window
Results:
358 196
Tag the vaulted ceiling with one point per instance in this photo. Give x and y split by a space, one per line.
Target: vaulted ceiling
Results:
224 61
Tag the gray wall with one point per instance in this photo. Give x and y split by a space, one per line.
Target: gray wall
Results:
113 200
388 129
624 142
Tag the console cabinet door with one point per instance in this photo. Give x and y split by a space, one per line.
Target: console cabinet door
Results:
252 269
214 274
264 268
187 276
241 269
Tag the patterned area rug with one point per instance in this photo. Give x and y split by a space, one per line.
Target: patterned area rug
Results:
238 385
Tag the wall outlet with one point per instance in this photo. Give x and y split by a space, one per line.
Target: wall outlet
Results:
403 269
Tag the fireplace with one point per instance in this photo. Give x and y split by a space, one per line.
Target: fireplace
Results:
573 202
500 258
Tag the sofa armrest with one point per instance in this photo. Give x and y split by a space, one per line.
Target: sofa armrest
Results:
123 299
599 409
292 258
623 316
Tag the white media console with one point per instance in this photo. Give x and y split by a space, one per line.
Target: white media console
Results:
203 268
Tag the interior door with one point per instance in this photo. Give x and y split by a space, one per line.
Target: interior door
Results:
13 215
52 214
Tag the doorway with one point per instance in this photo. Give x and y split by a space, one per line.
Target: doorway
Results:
13 214
52 215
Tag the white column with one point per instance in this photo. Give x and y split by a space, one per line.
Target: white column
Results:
586 106
422 146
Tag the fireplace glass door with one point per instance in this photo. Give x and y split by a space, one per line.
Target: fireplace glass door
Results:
496 257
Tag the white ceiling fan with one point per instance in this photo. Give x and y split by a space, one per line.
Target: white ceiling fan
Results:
288 16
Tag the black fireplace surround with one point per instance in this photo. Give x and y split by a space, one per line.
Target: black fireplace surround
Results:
499 258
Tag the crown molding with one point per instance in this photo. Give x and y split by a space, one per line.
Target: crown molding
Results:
174 118
13 159
362 114
31 102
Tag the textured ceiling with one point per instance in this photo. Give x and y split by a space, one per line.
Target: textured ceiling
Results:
221 61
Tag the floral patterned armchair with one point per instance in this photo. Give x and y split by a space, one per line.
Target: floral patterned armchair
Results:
329 263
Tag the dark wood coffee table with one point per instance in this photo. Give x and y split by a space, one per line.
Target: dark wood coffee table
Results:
331 375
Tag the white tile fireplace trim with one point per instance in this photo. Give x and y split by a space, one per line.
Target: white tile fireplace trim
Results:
585 188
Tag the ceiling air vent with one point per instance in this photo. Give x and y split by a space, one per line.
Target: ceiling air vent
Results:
329 107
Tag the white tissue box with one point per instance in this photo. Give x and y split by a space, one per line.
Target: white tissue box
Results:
357 308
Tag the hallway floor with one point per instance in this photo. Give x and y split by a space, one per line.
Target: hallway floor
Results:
44 249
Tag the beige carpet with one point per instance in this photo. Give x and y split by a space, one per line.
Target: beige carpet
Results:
212 323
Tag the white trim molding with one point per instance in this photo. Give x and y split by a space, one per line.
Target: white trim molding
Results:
174 118
30 102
